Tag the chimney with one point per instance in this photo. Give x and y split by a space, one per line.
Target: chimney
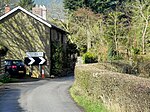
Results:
7 9
36 10
40 11
44 12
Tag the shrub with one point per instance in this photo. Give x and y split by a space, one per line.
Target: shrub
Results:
89 57
135 50
3 50
83 49
5 78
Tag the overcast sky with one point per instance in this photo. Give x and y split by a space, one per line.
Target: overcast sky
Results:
48 2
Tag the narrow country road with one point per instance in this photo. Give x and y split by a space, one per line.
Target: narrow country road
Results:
49 95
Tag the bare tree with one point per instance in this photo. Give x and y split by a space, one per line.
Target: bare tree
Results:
141 10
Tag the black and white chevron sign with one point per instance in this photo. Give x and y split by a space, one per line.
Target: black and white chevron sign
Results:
35 61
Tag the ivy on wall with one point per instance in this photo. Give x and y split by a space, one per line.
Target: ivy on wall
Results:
57 62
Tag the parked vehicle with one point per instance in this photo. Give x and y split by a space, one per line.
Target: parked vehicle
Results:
15 68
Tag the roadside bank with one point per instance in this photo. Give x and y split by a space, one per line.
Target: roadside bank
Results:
118 92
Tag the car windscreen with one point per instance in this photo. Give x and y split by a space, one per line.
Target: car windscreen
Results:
17 62
7 62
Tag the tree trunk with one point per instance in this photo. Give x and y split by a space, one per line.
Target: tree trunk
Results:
88 41
143 37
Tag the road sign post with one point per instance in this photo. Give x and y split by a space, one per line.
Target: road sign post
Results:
36 59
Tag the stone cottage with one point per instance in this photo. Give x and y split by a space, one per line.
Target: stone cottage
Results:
23 31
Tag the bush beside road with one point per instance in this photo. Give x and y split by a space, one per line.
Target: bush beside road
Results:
118 92
1 83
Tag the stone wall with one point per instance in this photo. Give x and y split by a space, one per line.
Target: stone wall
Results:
2 65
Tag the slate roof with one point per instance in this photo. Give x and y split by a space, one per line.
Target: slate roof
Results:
40 19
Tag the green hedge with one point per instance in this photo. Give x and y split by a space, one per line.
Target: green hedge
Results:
119 92
89 57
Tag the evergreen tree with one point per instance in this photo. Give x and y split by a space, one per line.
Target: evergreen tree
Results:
73 5
98 6
27 4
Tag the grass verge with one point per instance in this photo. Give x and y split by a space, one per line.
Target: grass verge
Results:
86 103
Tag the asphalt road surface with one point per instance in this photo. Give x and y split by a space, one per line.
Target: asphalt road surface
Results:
49 95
